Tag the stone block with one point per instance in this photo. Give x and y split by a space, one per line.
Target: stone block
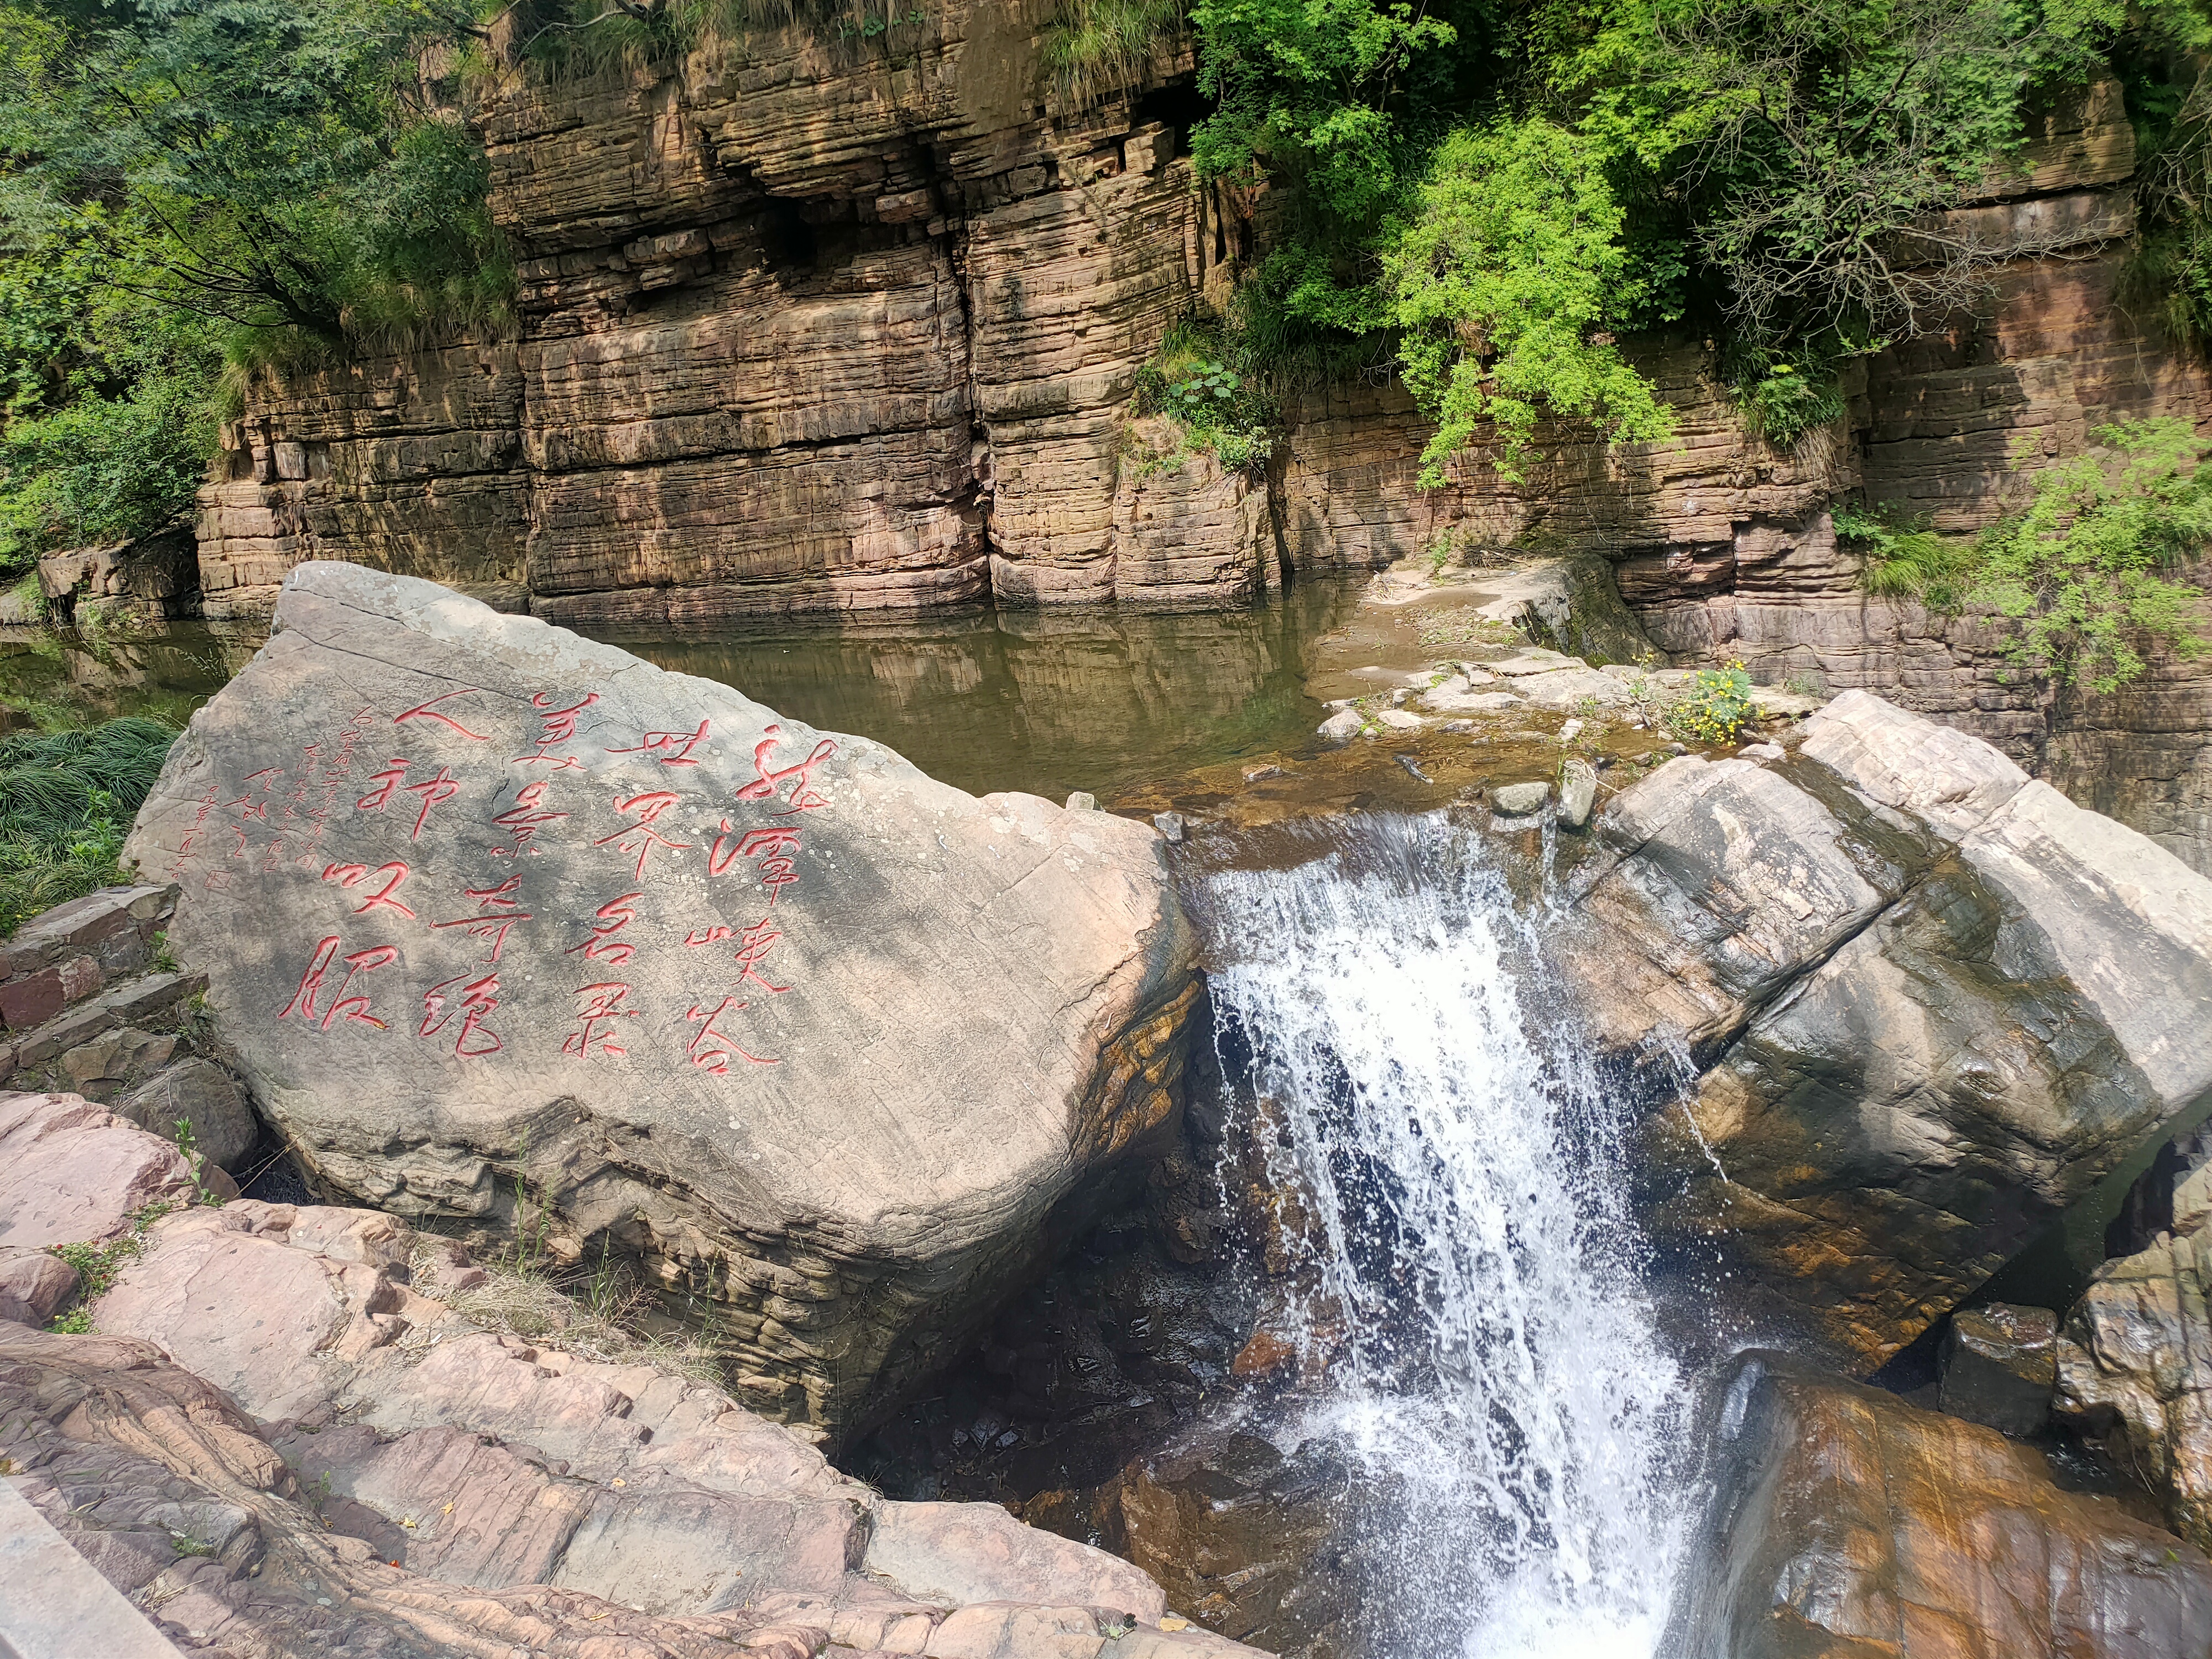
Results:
1999 1365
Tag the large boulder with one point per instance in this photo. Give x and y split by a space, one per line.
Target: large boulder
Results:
501 923
1845 1524
1929 1005
2134 1366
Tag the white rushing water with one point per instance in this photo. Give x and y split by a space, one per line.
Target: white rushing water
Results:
1472 1265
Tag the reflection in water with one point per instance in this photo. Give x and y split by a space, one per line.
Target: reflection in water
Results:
1048 702
53 680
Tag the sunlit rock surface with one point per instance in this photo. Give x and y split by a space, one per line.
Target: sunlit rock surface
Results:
500 921
279 1445
1931 1002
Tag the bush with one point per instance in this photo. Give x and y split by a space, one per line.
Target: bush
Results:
67 800
1201 378
101 470
2081 571
1718 707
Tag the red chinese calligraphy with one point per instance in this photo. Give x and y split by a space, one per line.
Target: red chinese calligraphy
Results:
247 805
603 1006
555 726
353 875
526 817
478 1002
753 946
804 796
642 837
428 711
433 791
393 775
603 946
712 1050
497 910
345 1004
713 935
670 748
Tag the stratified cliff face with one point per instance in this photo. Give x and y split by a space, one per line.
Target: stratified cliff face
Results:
821 325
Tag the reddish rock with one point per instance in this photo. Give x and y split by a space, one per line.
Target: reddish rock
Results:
72 1172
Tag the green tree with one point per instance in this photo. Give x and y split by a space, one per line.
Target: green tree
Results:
1506 283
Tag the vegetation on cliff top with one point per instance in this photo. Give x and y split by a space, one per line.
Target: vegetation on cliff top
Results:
183 182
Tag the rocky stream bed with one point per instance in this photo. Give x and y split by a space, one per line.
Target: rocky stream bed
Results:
1486 1177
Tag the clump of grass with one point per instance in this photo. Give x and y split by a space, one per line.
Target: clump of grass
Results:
66 802
1907 560
98 1265
1098 48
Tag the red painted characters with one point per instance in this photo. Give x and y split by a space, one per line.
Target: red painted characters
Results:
345 1003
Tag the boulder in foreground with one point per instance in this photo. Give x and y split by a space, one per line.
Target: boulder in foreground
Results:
502 924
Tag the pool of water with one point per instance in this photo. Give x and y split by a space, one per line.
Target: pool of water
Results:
1046 701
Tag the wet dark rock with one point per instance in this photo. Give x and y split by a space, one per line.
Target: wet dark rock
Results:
2000 1363
1846 1524
1257 1546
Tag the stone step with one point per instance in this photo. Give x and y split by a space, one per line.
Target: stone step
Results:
135 999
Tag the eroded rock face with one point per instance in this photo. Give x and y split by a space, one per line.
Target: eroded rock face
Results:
2135 1364
498 920
1932 1004
381 1477
1845 1522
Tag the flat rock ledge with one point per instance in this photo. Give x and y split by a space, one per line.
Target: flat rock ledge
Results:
500 922
277 1445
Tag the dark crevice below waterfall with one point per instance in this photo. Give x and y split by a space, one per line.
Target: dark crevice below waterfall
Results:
1411 1191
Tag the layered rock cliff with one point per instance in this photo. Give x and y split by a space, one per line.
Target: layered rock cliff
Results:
811 324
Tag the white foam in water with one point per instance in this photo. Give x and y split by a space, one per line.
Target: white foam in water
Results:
1508 1400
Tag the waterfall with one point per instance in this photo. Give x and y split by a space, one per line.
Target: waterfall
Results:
1468 1270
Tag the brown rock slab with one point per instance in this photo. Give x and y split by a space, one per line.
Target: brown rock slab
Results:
1846 1522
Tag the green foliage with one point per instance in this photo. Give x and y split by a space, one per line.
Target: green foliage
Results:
1310 87
1505 283
1716 707
2082 571
1782 402
101 469
1502 190
1218 407
1907 562
66 802
1095 48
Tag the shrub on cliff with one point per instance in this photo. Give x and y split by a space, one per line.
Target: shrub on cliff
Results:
66 802
2083 573
1496 192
